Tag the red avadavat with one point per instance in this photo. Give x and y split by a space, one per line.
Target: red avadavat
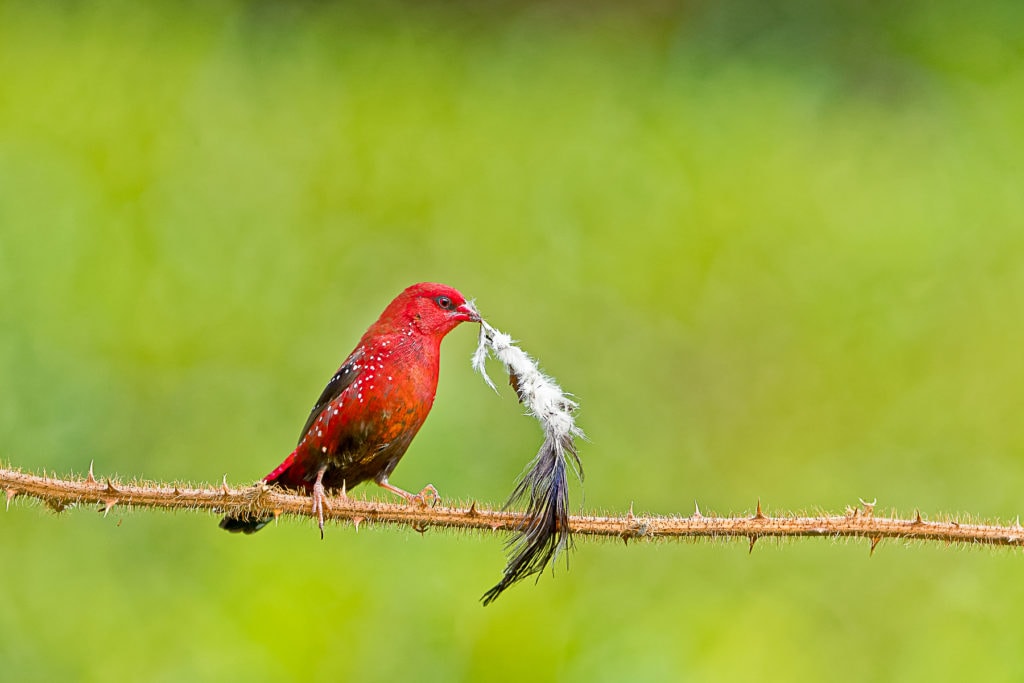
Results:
374 404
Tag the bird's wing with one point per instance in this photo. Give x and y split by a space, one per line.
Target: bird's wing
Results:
345 375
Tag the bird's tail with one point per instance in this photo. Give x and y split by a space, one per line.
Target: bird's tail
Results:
250 523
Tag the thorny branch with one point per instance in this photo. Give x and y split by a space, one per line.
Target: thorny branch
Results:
855 522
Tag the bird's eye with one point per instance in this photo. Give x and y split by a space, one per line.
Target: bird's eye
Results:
444 302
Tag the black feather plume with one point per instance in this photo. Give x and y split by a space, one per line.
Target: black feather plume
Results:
545 533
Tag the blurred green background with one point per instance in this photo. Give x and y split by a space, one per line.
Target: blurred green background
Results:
776 250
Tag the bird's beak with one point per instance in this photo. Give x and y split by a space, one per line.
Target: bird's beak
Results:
469 310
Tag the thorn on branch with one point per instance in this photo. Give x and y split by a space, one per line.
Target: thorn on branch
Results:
874 542
632 527
107 504
636 531
753 539
356 521
224 486
917 517
472 510
11 493
91 479
696 511
110 486
758 515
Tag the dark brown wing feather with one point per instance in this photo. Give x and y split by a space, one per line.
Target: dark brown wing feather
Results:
345 375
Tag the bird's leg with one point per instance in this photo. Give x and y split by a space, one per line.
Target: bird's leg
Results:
319 498
427 497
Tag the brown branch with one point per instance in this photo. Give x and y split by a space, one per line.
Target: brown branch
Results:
858 522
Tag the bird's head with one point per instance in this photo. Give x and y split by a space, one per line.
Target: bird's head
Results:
429 308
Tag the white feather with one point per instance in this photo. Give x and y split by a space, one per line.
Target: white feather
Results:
541 395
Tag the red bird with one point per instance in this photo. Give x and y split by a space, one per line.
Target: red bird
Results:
372 408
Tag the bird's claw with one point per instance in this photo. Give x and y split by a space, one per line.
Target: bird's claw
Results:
319 501
428 497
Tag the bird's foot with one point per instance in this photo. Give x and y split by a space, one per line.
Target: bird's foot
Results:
428 497
320 500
